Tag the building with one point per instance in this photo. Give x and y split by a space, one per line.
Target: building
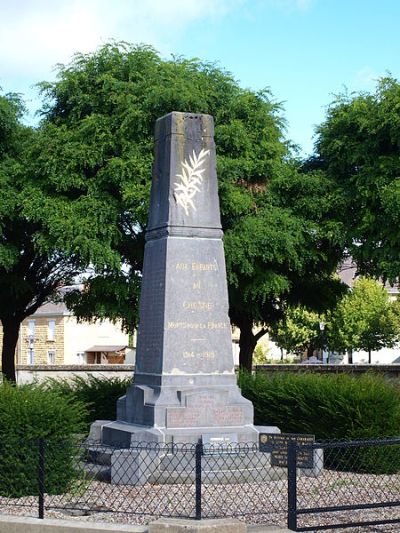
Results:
53 336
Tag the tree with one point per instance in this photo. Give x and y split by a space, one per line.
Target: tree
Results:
365 319
28 275
100 115
51 227
298 331
358 147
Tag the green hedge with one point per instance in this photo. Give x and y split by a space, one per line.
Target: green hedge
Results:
99 394
28 413
331 407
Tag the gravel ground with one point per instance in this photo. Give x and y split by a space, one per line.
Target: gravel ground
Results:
255 503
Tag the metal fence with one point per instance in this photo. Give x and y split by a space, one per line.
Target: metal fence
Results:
358 486
304 486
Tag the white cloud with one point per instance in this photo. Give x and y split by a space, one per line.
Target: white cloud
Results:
37 34
365 78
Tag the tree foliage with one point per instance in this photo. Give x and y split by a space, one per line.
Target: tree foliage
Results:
280 234
75 192
29 272
365 319
299 330
358 147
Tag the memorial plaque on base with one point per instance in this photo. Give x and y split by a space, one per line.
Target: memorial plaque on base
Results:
217 443
277 445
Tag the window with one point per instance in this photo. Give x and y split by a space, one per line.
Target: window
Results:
31 328
31 356
51 357
51 330
81 358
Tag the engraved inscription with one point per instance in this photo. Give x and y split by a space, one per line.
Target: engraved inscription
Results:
197 325
206 354
205 416
228 416
206 267
182 266
198 306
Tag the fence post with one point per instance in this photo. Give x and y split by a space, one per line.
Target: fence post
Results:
198 454
41 463
292 485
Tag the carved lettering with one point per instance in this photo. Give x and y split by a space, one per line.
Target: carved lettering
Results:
197 325
205 266
198 306
206 354
217 325
186 325
182 266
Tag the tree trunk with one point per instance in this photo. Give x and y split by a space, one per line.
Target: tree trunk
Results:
10 340
350 357
369 356
247 343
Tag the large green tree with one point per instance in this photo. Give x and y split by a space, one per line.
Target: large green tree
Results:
30 272
365 319
281 239
358 147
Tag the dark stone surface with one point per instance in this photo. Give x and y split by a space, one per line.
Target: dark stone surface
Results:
184 380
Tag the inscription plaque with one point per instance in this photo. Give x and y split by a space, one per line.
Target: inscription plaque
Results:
186 417
277 445
219 443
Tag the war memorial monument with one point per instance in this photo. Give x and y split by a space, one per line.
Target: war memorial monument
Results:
185 385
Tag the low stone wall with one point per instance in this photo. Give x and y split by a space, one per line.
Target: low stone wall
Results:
388 371
31 373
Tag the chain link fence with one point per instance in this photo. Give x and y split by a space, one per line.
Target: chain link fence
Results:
304 486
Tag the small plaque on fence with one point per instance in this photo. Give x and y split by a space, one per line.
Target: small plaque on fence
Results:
277 445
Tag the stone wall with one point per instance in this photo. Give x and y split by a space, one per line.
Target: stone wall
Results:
30 373
389 371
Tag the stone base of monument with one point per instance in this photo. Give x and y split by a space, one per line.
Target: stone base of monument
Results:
135 467
147 457
178 414
126 435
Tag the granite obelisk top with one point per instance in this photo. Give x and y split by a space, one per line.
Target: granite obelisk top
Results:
185 384
184 196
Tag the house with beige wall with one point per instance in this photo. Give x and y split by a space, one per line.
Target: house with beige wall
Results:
53 336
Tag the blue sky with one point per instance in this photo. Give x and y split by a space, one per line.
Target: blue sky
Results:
303 50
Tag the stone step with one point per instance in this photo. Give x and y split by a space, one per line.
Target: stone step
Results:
100 455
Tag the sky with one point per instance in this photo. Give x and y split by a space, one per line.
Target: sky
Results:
305 51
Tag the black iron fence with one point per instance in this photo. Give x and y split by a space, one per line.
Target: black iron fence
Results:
358 485
307 487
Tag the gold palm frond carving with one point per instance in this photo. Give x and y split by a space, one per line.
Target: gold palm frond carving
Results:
190 180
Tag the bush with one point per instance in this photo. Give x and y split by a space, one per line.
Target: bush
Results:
331 407
99 394
28 413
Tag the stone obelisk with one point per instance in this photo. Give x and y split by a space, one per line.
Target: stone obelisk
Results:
185 384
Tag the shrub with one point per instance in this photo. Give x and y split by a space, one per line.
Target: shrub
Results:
99 394
28 413
331 407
